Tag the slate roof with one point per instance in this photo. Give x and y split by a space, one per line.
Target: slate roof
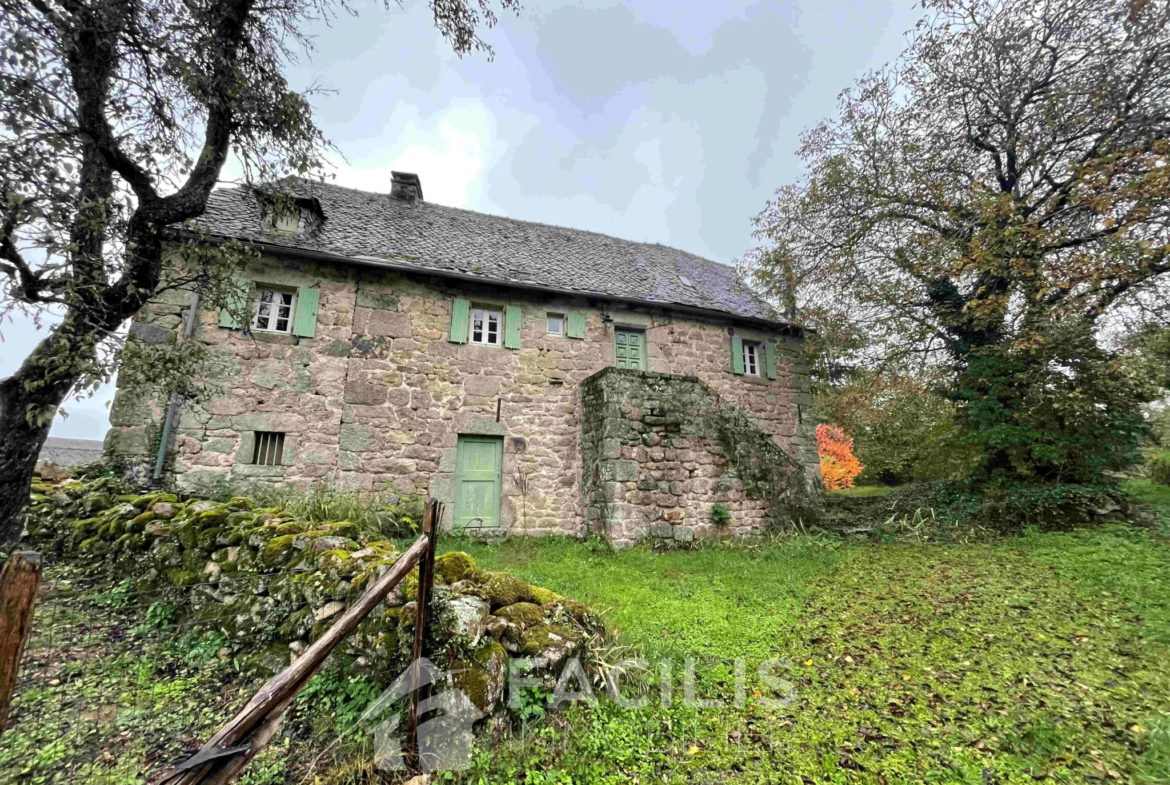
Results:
71 452
373 228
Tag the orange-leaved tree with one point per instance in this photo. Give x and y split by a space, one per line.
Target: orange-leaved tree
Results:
839 466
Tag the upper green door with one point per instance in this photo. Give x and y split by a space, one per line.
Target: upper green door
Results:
628 349
479 469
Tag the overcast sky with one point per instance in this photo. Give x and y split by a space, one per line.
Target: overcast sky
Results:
668 121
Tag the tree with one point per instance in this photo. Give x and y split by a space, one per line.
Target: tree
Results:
118 117
997 204
839 466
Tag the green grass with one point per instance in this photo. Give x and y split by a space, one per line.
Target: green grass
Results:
1034 659
864 491
1043 658
1153 494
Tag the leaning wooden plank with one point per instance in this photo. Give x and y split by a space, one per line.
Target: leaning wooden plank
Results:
18 596
282 687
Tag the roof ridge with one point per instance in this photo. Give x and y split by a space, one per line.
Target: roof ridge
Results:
523 221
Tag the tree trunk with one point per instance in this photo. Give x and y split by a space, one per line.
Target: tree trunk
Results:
28 403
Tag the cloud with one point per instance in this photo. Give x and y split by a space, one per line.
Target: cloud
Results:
446 151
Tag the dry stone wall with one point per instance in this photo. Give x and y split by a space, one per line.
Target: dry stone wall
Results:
662 451
379 395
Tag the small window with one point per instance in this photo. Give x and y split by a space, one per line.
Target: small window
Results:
269 449
287 223
556 324
751 358
486 327
274 311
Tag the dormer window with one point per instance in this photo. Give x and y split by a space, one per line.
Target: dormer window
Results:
287 222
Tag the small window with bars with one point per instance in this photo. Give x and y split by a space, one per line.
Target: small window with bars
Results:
751 358
274 311
486 326
268 449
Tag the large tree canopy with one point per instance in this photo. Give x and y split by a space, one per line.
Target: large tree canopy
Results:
117 119
998 200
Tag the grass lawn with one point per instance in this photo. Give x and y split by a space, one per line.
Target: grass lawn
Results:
1046 657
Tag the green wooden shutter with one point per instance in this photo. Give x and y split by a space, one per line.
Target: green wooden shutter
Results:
305 321
737 355
459 309
513 321
237 303
576 326
770 359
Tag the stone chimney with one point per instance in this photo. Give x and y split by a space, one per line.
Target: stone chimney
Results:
405 186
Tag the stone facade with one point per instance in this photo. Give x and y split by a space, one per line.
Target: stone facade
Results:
379 394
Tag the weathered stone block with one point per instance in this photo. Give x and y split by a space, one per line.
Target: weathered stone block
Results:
365 393
622 471
354 438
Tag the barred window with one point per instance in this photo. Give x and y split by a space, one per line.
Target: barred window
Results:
269 448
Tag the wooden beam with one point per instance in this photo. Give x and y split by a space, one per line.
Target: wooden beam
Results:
18 597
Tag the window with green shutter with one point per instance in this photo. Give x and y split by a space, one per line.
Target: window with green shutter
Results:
235 309
513 322
576 325
305 321
459 315
737 355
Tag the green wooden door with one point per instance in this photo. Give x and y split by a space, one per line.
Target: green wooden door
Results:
479 465
628 349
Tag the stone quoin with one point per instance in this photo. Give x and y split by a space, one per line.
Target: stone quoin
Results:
390 341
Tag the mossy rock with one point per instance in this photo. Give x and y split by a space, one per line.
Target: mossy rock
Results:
182 578
212 517
143 502
553 639
542 596
453 566
522 614
94 503
241 503
482 679
277 550
140 521
502 589
577 611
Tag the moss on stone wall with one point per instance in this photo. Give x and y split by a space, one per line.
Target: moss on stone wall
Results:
625 413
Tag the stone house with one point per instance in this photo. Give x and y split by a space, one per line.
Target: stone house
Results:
396 342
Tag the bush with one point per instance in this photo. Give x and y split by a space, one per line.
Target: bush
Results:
1159 468
720 515
961 510
839 466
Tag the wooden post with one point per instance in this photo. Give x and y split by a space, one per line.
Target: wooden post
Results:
18 596
426 580
217 761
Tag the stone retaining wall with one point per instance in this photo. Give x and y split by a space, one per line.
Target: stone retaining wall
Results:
662 451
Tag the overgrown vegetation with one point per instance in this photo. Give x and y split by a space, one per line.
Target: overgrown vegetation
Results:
988 215
1042 657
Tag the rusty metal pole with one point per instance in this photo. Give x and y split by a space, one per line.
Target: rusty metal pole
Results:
18 597
426 580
